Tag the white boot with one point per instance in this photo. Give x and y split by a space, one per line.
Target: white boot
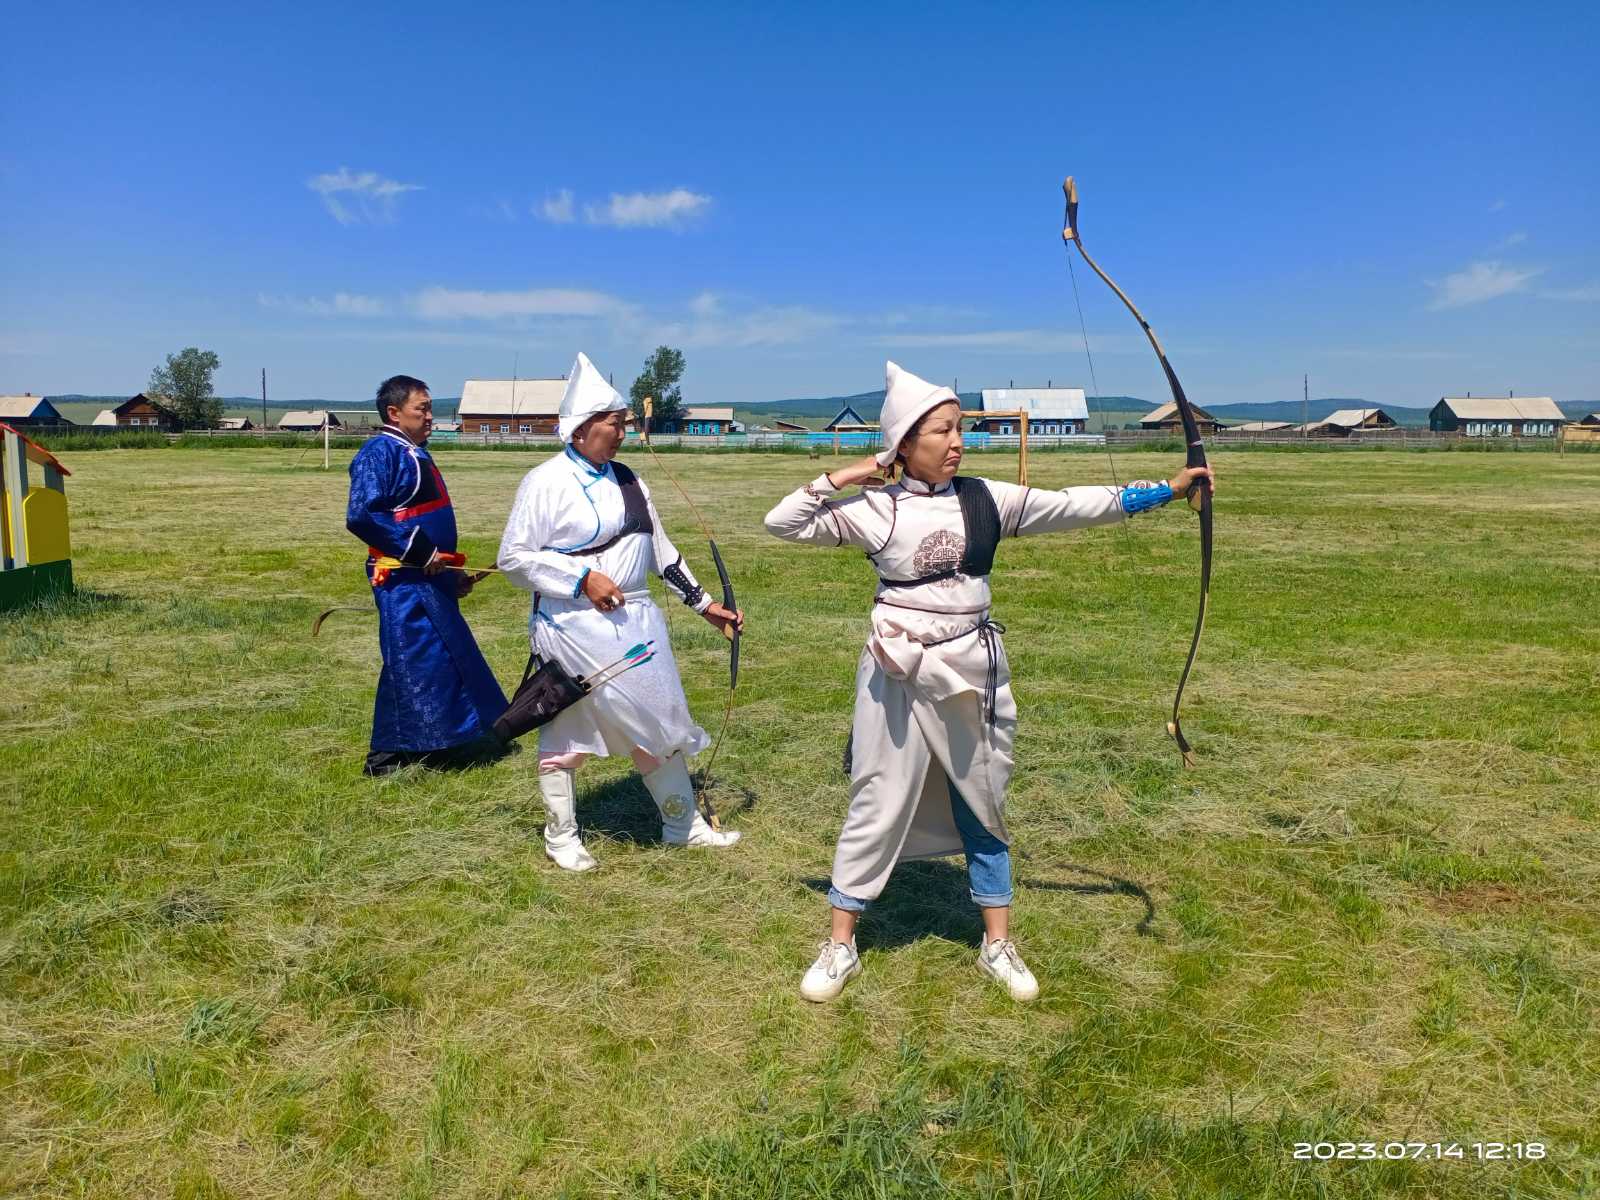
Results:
561 842
681 822
1000 961
837 964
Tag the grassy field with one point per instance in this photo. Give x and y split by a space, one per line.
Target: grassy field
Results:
231 966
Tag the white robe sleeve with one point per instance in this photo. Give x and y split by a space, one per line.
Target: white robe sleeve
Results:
667 559
1025 511
814 514
523 557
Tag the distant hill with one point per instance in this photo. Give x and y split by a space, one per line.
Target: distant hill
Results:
1117 410
82 409
870 405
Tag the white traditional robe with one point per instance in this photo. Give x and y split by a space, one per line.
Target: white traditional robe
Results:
919 716
564 504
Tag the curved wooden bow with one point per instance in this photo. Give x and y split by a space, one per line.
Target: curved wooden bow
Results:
730 631
1199 494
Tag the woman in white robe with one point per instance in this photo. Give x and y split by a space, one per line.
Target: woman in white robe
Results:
572 542
935 720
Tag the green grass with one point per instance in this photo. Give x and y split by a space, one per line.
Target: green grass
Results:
231 966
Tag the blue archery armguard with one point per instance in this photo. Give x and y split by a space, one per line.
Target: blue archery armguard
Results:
1141 495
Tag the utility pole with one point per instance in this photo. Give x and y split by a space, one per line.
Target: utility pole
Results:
1305 404
263 400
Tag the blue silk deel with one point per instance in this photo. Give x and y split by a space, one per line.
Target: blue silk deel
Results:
435 690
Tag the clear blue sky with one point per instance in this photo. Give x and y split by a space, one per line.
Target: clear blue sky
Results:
1399 200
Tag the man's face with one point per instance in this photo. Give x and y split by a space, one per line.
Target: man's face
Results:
597 439
414 418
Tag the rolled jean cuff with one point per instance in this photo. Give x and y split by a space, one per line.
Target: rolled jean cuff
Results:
982 901
845 903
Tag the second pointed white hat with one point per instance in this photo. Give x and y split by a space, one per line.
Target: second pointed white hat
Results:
587 393
906 397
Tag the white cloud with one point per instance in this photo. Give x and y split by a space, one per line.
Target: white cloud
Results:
341 304
711 324
648 210
1517 238
451 304
1480 281
558 208
1497 205
354 197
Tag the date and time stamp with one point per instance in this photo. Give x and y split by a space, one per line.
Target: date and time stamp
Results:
1431 1151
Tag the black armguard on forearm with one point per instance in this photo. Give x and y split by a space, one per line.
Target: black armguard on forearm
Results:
692 593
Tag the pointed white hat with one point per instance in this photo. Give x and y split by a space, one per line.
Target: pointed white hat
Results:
906 397
587 393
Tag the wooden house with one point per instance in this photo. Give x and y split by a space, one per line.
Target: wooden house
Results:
1167 419
1050 411
146 412
848 420
309 420
701 421
28 411
1497 416
510 406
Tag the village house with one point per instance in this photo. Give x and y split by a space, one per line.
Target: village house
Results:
510 406
28 411
697 420
848 420
310 420
1050 411
146 412
1167 419
1497 416
236 424
1346 421
1366 420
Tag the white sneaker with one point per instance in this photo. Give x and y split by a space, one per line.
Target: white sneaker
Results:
1001 962
837 964
561 842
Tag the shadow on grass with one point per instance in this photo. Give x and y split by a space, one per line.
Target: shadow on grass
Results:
621 809
924 899
931 899
1108 885
74 605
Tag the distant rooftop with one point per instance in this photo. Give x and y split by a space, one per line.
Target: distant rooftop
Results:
1504 408
1061 404
511 397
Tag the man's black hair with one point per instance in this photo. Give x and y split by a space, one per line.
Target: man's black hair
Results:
395 391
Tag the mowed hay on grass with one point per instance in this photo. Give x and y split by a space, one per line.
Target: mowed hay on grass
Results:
231 966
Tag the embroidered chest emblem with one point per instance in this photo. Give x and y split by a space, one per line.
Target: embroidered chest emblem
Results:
939 551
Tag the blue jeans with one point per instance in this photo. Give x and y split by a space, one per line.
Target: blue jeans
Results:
988 863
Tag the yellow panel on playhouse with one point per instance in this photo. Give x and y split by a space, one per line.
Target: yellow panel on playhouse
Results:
35 538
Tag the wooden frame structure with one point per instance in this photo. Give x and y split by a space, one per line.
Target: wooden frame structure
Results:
1020 416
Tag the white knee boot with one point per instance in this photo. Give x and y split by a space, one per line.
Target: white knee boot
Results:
561 842
681 822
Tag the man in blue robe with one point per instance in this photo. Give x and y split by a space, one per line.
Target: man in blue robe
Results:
437 698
